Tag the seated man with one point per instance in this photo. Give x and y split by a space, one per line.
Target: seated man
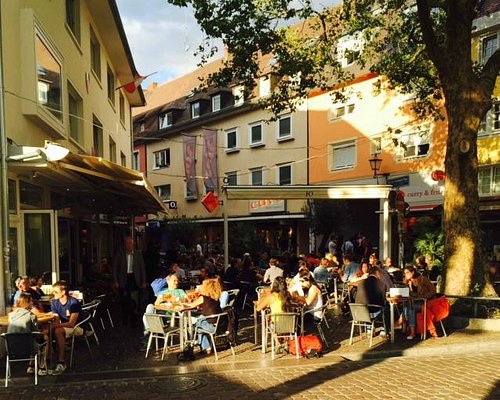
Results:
24 287
68 312
171 293
372 291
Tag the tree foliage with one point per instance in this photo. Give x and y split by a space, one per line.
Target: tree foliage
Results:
422 47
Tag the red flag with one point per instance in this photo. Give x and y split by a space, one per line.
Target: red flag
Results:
132 86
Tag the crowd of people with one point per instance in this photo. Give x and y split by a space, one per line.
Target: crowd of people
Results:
302 279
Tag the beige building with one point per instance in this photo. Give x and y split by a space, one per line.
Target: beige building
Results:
63 64
249 150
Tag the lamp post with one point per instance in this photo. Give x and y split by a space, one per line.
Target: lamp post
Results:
375 164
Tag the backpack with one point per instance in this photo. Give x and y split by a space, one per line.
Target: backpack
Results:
309 346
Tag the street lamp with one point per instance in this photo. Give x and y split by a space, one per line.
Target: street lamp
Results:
375 164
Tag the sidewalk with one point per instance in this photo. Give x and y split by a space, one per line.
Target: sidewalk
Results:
119 355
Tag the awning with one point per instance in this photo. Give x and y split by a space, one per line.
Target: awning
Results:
93 184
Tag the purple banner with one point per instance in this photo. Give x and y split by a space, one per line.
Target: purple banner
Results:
190 166
210 160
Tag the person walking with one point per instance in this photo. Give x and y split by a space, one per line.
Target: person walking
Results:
129 277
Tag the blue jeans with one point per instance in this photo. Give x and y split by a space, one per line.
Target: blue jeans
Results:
204 339
410 312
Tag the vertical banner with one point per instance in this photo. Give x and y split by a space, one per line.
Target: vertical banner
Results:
210 160
189 166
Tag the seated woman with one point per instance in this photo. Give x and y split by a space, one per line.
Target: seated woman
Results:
311 297
208 304
420 288
23 320
278 301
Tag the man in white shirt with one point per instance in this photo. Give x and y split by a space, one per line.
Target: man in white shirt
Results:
273 271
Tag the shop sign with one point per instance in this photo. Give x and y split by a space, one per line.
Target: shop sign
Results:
266 206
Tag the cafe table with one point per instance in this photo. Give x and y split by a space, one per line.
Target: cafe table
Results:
183 311
401 300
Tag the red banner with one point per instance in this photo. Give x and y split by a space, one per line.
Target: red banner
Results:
210 160
190 166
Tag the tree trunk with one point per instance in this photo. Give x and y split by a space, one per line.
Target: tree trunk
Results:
464 255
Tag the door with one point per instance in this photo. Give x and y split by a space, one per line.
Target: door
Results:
40 243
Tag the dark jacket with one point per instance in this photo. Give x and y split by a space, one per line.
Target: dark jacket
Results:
371 291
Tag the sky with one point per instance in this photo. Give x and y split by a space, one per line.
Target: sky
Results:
163 37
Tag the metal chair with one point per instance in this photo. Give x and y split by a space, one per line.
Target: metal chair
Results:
102 298
159 328
246 288
21 347
91 308
318 321
82 324
283 325
362 318
233 294
220 322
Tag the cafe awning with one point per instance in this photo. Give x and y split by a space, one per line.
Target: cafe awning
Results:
91 183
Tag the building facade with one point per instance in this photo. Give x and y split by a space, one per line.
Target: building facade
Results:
191 143
63 67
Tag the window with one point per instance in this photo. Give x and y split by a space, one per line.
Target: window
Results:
73 17
161 158
343 155
95 54
256 135
164 191
97 149
341 111
195 110
12 196
112 150
216 103
239 96
123 159
489 45
111 85
284 125
49 78
264 86
75 106
415 144
136 161
166 120
122 108
231 140
232 178
490 124
257 176
489 181
376 145
349 48
285 174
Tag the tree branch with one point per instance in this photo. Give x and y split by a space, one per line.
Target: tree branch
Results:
489 73
436 53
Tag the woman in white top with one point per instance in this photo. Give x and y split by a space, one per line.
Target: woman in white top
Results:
309 293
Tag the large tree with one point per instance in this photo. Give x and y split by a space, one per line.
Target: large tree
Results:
422 47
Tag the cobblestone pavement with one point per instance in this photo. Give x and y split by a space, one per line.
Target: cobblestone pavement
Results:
463 365
441 377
